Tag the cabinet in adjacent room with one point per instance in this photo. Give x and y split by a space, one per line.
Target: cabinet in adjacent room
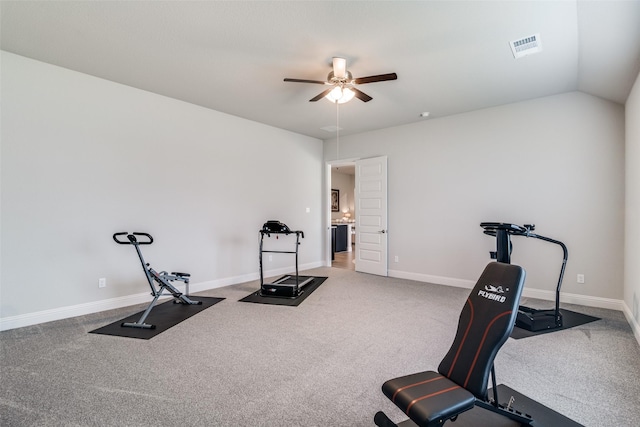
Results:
342 234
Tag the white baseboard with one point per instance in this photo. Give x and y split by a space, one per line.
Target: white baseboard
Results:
38 317
437 280
635 326
585 300
28 319
35 318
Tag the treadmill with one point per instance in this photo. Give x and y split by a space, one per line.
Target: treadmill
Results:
288 286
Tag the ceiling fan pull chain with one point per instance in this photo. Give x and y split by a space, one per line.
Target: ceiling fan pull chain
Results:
337 130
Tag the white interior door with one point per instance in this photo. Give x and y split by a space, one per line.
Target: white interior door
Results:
371 215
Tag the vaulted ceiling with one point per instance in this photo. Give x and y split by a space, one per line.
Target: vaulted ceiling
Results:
231 56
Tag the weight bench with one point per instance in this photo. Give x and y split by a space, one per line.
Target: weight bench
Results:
487 319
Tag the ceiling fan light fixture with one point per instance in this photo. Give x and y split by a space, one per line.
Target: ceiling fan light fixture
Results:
340 95
342 84
339 67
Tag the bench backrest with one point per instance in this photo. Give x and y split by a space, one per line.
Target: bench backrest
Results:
485 324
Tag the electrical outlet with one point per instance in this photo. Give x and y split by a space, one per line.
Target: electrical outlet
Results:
580 278
270 257
396 258
102 282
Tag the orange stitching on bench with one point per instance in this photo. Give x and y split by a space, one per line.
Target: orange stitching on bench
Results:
464 338
393 399
431 395
484 337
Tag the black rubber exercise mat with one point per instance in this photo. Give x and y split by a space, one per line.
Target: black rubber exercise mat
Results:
570 319
163 316
306 291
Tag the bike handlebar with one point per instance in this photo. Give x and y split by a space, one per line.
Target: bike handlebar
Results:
491 228
132 238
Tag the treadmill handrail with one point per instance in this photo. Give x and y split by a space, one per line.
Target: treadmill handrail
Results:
269 233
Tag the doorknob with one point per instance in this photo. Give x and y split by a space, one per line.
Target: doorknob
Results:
383 231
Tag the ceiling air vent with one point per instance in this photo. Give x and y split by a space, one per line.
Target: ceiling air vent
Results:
526 46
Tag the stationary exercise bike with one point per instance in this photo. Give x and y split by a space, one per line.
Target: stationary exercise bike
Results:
163 279
528 318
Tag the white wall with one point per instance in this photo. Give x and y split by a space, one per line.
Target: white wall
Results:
557 162
632 214
83 158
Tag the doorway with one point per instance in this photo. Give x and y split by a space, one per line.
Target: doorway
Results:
343 215
366 214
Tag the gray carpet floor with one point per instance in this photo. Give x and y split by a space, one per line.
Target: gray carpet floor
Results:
319 364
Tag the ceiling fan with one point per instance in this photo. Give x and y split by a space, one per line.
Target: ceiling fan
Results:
343 84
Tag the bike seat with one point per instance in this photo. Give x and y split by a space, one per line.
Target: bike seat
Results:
175 273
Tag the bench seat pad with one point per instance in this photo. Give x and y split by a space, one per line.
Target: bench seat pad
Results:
428 398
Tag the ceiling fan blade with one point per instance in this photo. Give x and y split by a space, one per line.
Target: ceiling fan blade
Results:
304 81
361 95
321 95
339 68
373 79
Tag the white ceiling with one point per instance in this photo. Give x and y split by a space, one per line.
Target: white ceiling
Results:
450 56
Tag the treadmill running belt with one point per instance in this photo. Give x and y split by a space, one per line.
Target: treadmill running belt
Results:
307 289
